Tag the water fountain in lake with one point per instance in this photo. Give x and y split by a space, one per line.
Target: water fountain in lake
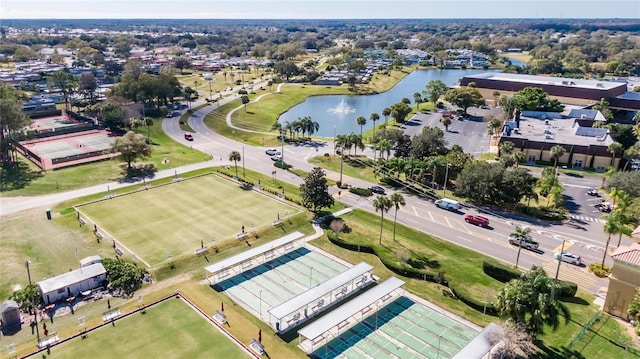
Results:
342 108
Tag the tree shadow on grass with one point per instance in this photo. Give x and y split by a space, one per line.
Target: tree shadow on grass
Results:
16 176
420 262
556 353
137 172
575 300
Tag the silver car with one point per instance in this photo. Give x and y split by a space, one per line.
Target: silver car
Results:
569 258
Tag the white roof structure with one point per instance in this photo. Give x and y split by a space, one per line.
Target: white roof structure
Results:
70 278
349 309
309 296
90 259
548 80
252 253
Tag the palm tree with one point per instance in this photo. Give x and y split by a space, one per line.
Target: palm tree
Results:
521 233
397 201
356 142
417 98
519 156
496 95
148 121
506 148
385 146
361 121
235 157
614 148
446 122
383 204
492 126
387 111
556 152
529 300
374 117
611 226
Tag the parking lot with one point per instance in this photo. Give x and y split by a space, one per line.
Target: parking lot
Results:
470 133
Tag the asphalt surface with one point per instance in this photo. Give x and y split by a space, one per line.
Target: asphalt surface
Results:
581 236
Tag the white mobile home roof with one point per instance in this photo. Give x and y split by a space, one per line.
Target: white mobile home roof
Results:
69 278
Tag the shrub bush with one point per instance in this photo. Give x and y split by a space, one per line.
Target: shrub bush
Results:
566 289
361 191
282 165
500 272
599 270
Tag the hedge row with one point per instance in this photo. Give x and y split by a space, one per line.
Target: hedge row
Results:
468 299
361 191
505 274
500 272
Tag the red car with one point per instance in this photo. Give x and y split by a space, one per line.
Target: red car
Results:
188 136
477 220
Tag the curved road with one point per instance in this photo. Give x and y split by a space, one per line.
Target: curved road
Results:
584 239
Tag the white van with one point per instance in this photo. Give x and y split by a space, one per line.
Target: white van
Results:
449 204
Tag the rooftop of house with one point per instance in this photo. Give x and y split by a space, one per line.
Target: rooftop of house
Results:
628 254
548 80
557 130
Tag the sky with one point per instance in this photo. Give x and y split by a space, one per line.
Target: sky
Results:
317 9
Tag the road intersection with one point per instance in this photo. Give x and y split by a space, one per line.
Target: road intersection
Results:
581 235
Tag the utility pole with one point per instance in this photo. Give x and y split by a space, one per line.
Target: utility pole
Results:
33 302
446 177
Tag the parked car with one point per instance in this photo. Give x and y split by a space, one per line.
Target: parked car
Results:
569 258
527 243
477 220
272 152
277 158
188 136
376 189
447 115
170 115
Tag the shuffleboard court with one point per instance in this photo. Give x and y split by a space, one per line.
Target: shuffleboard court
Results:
180 217
160 333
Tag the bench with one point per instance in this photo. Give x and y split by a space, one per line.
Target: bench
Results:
201 250
277 223
81 220
99 234
241 235
118 251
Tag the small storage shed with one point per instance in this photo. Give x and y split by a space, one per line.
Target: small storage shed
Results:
10 313
71 283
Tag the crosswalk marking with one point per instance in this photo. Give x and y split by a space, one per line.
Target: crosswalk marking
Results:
559 248
585 218
569 272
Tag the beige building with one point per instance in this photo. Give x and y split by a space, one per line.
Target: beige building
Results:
585 147
623 281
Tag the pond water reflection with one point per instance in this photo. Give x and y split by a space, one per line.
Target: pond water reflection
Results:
337 114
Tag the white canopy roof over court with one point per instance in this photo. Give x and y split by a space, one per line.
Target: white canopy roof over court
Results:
320 297
256 255
357 308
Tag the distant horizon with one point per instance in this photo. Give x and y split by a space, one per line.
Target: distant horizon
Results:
318 9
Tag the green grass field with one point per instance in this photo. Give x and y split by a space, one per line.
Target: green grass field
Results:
175 218
160 333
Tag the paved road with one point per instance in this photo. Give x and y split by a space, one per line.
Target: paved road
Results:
418 213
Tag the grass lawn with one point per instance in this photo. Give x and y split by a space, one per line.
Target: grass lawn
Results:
160 333
463 268
353 166
166 154
177 217
260 116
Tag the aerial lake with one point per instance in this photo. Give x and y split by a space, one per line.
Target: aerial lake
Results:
337 114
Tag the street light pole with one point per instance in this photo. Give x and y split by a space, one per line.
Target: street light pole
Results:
210 92
33 302
243 174
334 140
555 281
446 177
